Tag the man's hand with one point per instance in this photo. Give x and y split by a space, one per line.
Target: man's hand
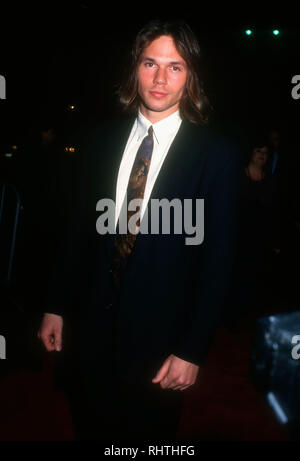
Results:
176 374
50 332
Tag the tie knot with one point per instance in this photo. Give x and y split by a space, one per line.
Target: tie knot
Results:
150 130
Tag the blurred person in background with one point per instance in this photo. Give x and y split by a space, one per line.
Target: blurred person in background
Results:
259 236
274 144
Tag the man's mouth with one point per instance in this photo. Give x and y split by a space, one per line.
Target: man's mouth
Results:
158 94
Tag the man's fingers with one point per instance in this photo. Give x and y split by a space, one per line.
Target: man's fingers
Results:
162 371
180 374
166 382
58 341
174 386
171 382
52 340
181 388
48 341
176 383
50 332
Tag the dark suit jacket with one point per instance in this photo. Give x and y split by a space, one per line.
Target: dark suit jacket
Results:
172 294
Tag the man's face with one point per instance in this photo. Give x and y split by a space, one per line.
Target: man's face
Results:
162 75
275 139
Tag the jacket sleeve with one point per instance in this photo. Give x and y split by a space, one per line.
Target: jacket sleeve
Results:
68 262
63 283
214 261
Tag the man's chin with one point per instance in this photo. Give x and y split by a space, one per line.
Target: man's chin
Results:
158 107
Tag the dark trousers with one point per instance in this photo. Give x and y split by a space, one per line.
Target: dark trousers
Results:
106 407
113 410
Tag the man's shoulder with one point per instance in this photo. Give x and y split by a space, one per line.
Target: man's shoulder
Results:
96 134
219 146
106 127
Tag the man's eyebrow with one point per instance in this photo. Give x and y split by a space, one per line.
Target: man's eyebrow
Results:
177 63
173 63
146 58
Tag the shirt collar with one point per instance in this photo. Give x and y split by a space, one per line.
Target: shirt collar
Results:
162 130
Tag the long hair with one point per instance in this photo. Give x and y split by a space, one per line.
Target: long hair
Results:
194 105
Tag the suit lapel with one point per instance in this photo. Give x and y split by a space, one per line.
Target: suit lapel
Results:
109 162
186 157
183 166
165 180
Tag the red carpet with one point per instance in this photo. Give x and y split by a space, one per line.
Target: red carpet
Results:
223 405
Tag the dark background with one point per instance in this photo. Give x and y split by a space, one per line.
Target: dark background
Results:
52 57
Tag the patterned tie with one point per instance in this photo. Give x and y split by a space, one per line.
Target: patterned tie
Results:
124 243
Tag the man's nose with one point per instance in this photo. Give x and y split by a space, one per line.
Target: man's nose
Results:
160 76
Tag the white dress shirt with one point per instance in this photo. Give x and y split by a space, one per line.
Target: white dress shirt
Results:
164 133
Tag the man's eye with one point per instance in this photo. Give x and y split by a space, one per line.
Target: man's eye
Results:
149 64
176 68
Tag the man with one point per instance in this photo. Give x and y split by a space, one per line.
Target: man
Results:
148 303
